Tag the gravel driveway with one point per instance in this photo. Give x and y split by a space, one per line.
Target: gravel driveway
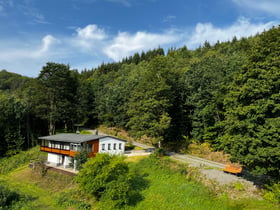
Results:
211 169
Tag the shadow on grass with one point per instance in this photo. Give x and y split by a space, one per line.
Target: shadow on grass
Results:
9 198
139 181
258 180
138 184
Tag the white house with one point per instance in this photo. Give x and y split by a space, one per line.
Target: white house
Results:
61 148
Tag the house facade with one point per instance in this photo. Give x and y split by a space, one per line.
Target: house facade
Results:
61 148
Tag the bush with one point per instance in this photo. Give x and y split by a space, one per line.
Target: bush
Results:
7 197
8 164
274 193
107 178
80 159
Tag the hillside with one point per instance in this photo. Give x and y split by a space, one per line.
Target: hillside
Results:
226 95
161 184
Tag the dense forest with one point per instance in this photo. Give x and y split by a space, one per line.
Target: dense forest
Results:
226 94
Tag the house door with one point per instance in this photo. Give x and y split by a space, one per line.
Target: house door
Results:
95 147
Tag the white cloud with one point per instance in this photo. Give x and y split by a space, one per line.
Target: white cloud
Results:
32 52
91 45
92 39
91 32
269 6
47 41
124 44
27 58
241 28
34 14
89 39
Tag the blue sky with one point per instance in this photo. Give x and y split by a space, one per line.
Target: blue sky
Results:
85 33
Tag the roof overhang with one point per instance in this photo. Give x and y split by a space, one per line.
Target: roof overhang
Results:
75 138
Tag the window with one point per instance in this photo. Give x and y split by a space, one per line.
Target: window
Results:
78 148
57 145
66 147
90 147
103 146
115 146
120 146
75 147
109 146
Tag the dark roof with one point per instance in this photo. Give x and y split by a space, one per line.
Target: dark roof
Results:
75 138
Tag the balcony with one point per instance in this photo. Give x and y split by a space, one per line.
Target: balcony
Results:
58 151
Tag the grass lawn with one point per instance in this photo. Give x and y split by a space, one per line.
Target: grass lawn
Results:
38 198
170 189
163 184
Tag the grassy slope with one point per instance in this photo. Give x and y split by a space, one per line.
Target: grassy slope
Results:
14 173
164 189
39 198
171 190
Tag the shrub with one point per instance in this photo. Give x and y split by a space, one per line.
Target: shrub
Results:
274 193
7 197
80 159
107 178
8 164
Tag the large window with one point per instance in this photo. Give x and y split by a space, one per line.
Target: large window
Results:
109 146
57 145
115 146
66 147
75 147
103 147
120 146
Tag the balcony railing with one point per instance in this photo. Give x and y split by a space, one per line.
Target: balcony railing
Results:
63 152
57 151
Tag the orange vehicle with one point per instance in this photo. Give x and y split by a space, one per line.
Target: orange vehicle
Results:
233 169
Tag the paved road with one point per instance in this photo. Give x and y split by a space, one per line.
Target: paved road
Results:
196 161
144 146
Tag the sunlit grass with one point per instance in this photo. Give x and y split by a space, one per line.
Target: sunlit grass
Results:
135 159
174 189
166 185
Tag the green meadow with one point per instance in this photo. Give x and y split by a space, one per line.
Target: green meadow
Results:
162 184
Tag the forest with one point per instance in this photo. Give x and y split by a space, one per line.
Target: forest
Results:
226 94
